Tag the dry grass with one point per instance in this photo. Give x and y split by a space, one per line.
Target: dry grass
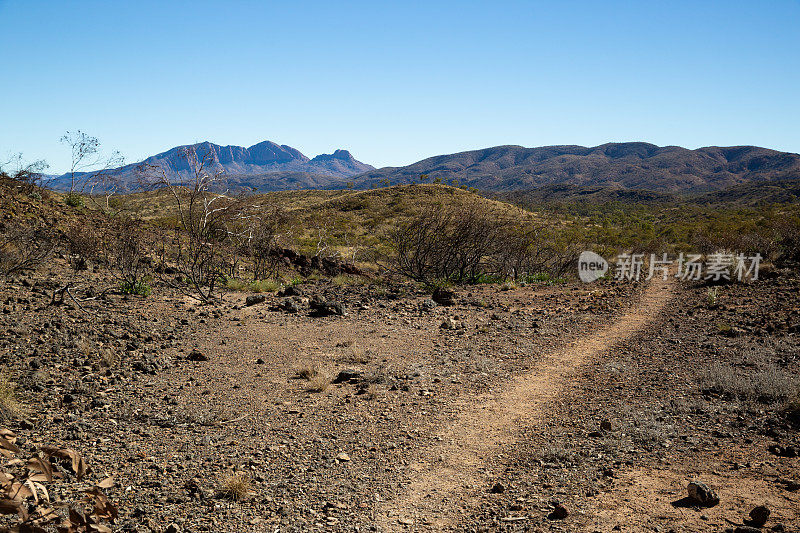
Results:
307 370
767 384
108 358
10 407
235 486
319 383
357 356
317 379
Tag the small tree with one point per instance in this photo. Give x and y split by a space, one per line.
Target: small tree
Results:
203 217
88 168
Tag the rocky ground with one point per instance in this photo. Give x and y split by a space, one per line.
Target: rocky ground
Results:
285 415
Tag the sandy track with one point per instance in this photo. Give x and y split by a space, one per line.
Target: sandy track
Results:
455 471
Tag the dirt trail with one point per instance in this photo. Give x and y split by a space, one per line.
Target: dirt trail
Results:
455 471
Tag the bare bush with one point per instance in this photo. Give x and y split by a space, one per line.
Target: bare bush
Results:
28 176
89 170
445 243
84 243
263 241
464 242
125 249
203 231
24 246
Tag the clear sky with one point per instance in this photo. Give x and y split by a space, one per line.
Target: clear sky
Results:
395 82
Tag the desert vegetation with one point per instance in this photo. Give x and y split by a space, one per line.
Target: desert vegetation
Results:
304 336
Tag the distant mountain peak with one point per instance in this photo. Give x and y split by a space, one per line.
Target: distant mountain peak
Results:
342 155
265 160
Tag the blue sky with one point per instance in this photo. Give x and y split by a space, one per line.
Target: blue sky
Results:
395 82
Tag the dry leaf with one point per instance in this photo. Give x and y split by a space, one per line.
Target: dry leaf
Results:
107 483
9 506
76 459
41 467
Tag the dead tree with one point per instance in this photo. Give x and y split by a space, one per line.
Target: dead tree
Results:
203 211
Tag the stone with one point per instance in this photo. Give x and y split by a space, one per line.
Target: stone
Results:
702 494
427 304
321 307
254 299
291 290
497 488
444 297
448 323
197 355
348 376
759 516
559 512
343 457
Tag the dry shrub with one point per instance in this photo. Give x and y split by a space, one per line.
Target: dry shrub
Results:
358 356
319 383
307 370
318 379
10 408
768 384
24 246
235 486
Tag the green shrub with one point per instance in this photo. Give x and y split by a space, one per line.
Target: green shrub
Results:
139 288
264 285
74 200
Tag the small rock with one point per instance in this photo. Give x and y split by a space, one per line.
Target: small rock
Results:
559 513
173 528
746 529
290 291
759 516
444 297
254 299
702 494
497 488
427 304
348 376
343 457
197 355
259 361
448 323
605 425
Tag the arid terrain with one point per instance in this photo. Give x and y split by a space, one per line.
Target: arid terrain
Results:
361 403
480 427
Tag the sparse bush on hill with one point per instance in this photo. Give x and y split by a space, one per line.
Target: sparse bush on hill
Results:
26 176
464 243
24 245
262 240
195 250
125 247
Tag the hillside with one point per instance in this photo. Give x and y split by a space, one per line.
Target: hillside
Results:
263 166
634 165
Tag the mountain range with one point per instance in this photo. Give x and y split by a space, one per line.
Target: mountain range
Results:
267 166
633 165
